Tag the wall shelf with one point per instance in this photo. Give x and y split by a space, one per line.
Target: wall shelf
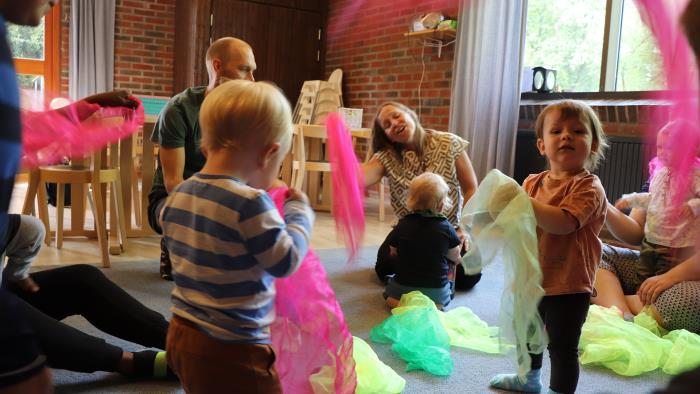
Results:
438 37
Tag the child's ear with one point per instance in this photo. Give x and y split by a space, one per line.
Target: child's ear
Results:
540 146
269 153
594 146
216 65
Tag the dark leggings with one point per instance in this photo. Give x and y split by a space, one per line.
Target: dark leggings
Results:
563 317
386 265
84 290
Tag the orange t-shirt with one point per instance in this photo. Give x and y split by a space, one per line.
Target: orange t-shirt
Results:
569 261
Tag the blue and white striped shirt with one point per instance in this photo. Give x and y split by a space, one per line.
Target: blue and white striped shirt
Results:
10 132
227 244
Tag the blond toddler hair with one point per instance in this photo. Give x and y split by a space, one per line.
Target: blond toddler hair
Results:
429 191
242 115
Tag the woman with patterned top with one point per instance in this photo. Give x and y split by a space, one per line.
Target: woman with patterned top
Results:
662 274
673 294
403 149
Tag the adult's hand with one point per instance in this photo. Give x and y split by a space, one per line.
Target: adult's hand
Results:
463 239
115 98
651 288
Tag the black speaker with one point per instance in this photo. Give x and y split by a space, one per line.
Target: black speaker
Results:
543 79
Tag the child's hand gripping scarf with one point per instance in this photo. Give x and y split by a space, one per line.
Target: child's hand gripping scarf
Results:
348 197
309 333
503 227
75 131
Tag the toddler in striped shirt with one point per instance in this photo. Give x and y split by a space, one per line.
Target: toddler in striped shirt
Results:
228 243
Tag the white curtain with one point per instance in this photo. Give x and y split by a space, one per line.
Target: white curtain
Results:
91 59
486 81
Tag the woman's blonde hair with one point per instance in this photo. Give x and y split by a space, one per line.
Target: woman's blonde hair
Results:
429 191
379 139
583 113
242 114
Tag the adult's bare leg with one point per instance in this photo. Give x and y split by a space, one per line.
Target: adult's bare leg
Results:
609 291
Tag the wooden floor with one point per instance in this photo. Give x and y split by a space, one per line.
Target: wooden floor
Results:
82 250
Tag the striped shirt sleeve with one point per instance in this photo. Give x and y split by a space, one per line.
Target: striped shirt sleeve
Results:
278 245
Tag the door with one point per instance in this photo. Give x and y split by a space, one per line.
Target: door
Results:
286 41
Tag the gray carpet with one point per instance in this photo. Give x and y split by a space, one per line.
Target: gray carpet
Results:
359 293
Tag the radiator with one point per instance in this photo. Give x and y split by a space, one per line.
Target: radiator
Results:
624 169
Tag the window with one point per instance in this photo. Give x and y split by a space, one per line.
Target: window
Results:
594 45
36 53
639 62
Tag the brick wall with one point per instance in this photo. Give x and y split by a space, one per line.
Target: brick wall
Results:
144 40
380 64
143 46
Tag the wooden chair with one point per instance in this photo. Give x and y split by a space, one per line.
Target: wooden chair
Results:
366 135
309 155
96 173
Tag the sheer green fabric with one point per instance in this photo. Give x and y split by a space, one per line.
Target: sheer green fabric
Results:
645 320
685 352
504 228
626 348
422 330
631 349
417 335
466 330
373 376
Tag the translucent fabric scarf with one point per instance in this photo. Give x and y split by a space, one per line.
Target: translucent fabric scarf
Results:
312 342
503 227
348 183
680 70
635 348
422 335
75 130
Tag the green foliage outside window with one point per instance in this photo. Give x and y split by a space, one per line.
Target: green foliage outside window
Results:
640 65
567 35
27 42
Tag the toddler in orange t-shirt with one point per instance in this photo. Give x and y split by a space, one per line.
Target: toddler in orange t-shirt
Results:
569 204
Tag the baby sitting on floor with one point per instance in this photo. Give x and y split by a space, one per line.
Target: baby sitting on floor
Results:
426 244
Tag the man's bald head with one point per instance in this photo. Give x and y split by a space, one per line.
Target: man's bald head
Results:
229 58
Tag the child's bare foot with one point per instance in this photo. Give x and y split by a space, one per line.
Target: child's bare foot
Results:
635 304
27 284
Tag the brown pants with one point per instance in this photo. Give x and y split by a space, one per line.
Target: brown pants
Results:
206 365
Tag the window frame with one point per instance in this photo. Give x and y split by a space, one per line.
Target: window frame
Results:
50 67
612 36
